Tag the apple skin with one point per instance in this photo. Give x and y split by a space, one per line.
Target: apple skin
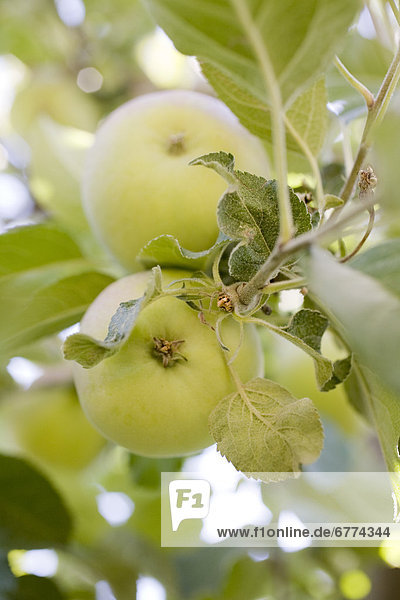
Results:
138 184
138 403
49 425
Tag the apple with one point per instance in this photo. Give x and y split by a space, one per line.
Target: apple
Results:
49 425
141 403
47 93
138 184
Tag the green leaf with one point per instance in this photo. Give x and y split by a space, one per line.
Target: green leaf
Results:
266 432
299 38
249 212
307 114
31 587
365 312
35 248
383 263
382 408
305 330
34 308
32 514
89 352
167 252
45 284
146 472
332 201
7 579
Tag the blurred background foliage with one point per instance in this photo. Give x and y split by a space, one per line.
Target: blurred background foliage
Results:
64 65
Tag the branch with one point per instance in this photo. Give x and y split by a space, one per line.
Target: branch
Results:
355 83
375 113
282 251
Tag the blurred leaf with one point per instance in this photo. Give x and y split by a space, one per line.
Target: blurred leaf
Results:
89 352
362 309
31 587
299 39
305 330
7 579
45 284
32 514
332 201
121 557
263 430
333 178
382 408
248 579
383 263
249 212
26 248
146 472
202 572
307 115
166 251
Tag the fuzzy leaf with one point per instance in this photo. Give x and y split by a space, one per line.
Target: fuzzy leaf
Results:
166 251
266 432
299 38
305 330
307 114
381 407
363 309
249 212
89 352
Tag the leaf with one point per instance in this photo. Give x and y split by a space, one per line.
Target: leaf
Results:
379 404
383 263
249 212
33 308
35 247
332 201
31 587
299 38
89 352
7 579
365 312
167 252
305 330
264 430
32 514
45 284
307 114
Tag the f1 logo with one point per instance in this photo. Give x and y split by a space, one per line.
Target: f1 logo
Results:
188 499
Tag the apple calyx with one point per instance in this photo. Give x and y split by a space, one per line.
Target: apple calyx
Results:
167 352
176 144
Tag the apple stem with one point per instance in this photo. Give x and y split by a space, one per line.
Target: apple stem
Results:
176 144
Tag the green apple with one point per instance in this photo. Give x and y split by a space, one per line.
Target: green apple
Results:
49 425
138 184
141 403
47 93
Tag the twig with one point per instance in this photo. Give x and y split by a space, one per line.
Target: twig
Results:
395 10
363 239
282 251
378 110
355 83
